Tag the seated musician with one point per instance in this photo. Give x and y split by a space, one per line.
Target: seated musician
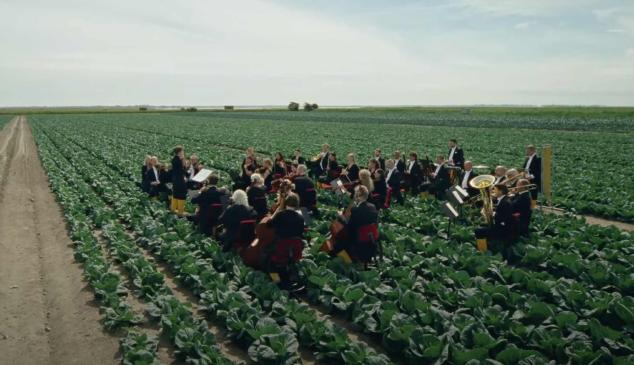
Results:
324 161
365 179
165 177
152 180
298 159
380 188
287 245
257 195
512 175
363 213
287 219
440 178
351 171
248 168
280 168
302 185
500 175
393 180
333 167
238 211
466 176
379 159
266 171
522 206
413 175
456 155
209 195
500 231
373 165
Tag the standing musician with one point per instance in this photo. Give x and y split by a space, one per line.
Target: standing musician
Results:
510 180
152 180
413 173
533 169
500 231
206 216
324 160
380 188
398 161
360 213
351 171
379 159
144 168
466 176
238 211
456 155
500 174
393 180
179 180
257 195
440 178
303 187
522 206
298 159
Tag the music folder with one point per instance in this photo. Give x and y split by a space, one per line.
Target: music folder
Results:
202 175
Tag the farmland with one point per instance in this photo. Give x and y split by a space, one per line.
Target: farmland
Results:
171 294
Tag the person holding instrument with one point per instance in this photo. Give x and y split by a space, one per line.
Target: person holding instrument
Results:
533 169
359 215
351 172
522 207
393 180
455 154
210 205
500 230
179 181
153 178
413 174
238 211
248 168
379 159
440 178
257 195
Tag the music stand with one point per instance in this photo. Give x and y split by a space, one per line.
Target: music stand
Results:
451 213
457 196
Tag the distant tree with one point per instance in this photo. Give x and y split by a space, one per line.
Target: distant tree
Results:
293 106
143 108
191 109
228 107
308 107
315 106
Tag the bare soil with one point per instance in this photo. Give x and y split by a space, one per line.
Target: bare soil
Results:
47 313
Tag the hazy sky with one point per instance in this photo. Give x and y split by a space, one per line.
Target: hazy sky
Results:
255 52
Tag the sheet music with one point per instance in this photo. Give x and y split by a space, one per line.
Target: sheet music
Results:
202 175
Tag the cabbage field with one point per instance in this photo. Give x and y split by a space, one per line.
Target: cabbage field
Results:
430 301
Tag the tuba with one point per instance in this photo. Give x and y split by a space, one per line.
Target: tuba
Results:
484 183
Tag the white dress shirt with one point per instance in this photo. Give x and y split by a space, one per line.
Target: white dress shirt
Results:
465 179
411 165
389 174
453 149
437 169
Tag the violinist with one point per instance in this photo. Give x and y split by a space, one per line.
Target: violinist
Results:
266 171
303 186
351 171
280 167
360 213
379 159
333 167
398 162
179 181
373 165
238 211
209 195
413 174
248 168
298 159
393 180
257 195
440 178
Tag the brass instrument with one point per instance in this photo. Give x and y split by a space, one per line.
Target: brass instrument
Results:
483 183
316 158
516 189
510 181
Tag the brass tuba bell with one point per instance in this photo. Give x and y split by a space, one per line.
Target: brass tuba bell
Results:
484 183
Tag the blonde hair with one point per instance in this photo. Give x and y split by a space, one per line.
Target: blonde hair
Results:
239 197
361 193
354 159
257 178
366 179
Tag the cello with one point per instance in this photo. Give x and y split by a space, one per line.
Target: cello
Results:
253 255
338 230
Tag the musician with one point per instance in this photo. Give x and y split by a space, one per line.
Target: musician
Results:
380 188
393 180
248 168
512 175
194 167
352 170
466 176
324 160
144 168
373 165
238 211
456 155
333 167
365 179
266 172
152 180
209 194
287 219
361 214
500 175
280 167
440 178
179 180
500 231
299 160
257 195
302 184
379 159
398 162
533 168
165 177
521 204
413 174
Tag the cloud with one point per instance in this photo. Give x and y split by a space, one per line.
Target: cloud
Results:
525 8
523 25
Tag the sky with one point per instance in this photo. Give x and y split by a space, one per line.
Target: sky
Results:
354 52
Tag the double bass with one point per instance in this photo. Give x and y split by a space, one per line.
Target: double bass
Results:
338 230
254 254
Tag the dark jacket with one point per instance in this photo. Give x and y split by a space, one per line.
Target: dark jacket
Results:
458 157
213 195
503 218
535 169
353 172
150 177
302 184
441 181
323 162
257 199
288 224
522 205
231 218
361 215
179 184
395 180
381 162
400 165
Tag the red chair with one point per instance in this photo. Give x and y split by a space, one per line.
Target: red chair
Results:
286 251
368 235
388 198
215 210
246 234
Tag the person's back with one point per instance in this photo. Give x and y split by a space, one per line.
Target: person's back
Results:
363 214
257 198
233 215
288 224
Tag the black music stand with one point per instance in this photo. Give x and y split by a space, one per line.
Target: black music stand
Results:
457 196
452 214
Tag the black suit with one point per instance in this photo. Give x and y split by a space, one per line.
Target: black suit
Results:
213 195
288 224
394 181
458 157
302 184
256 195
415 176
361 215
441 182
470 190
522 205
231 218
381 162
323 162
400 165
150 177
535 169
179 184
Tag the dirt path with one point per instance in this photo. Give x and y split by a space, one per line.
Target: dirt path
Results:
592 220
47 313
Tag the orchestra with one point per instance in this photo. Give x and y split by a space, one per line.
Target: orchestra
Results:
242 221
